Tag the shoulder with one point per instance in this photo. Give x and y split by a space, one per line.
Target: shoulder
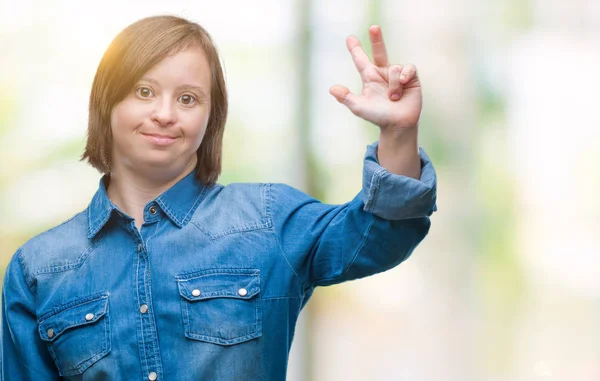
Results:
253 196
286 194
233 208
58 248
239 207
236 191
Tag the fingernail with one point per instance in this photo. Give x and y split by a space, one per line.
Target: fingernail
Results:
395 97
402 77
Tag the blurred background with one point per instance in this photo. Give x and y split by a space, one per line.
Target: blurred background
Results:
507 284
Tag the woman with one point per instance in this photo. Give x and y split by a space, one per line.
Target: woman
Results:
168 275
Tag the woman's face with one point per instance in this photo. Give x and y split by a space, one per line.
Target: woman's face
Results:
159 126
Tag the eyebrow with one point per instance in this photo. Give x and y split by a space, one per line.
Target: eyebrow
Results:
199 89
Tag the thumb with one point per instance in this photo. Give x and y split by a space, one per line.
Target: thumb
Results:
343 95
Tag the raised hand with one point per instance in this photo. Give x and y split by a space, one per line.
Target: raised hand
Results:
391 96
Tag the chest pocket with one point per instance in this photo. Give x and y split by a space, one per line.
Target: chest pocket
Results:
77 333
221 306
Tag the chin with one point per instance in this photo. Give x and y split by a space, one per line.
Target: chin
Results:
168 163
153 160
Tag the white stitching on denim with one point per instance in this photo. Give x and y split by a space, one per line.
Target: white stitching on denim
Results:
257 330
168 210
157 358
193 207
140 317
374 190
358 249
277 240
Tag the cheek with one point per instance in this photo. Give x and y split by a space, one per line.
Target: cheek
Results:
114 122
118 120
197 127
124 118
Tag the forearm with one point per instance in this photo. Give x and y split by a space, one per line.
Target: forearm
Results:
398 152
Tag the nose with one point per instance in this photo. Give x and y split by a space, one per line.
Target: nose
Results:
164 112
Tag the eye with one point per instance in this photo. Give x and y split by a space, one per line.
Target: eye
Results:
144 92
187 99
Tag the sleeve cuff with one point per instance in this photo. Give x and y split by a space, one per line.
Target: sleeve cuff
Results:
397 197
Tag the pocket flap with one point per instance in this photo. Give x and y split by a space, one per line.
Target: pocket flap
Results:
236 283
73 314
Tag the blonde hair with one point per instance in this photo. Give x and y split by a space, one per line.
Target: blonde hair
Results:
131 54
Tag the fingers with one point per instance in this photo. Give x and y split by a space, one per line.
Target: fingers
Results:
409 72
361 61
380 57
399 77
394 84
343 95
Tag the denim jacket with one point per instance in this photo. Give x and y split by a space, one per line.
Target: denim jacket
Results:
211 286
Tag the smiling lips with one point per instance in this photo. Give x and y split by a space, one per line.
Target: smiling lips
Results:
160 140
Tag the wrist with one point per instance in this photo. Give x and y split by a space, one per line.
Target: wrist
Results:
398 152
399 138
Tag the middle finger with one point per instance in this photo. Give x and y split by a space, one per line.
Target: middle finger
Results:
380 57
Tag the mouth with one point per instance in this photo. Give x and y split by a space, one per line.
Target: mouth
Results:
160 140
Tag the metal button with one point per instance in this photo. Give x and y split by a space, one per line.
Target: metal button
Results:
196 293
242 292
152 376
152 209
144 308
89 317
50 333
140 247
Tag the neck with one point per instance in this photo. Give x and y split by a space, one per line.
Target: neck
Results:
132 191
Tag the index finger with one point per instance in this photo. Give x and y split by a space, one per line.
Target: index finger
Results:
380 57
360 58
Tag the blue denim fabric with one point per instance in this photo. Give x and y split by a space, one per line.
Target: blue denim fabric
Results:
212 285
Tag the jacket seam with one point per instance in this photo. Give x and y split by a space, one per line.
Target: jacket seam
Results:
97 224
169 211
268 197
29 280
374 190
72 304
242 271
356 254
281 297
188 216
73 265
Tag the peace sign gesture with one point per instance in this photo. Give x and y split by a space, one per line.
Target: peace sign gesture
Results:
391 96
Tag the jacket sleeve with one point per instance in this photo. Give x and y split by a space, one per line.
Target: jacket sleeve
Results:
24 355
328 244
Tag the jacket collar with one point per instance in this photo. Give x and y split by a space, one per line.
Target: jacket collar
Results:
178 202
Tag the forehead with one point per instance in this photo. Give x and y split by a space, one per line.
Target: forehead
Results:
189 66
